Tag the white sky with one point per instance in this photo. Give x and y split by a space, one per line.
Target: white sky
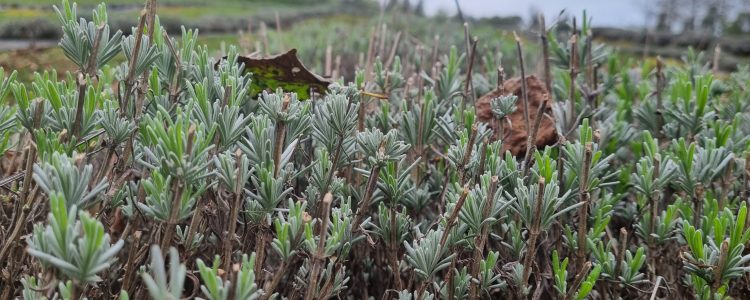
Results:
627 13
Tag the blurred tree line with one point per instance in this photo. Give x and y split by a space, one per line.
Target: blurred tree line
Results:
718 17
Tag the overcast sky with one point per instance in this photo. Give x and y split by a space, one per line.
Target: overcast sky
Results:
627 13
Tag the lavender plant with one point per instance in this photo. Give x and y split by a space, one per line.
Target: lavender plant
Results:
387 187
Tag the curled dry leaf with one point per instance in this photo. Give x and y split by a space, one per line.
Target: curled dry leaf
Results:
283 71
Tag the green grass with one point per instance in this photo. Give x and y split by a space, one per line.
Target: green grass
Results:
170 9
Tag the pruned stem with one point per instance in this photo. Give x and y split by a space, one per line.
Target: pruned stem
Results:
579 279
523 83
573 75
623 241
659 92
393 251
130 265
177 190
584 195
531 138
271 286
23 196
481 239
364 205
79 106
453 216
280 135
467 84
719 268
232 227
318 257
533 235
545 54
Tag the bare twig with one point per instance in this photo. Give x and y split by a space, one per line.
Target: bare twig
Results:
583 193
394 49
533 235
573 74
545 54
318 257
531 138
579 279
27 201
524 92
177 190
467 95
481 239
364 205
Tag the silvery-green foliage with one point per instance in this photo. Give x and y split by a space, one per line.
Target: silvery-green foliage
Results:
66 290
418 122
116 128
560 272
241 287
395 183
159 197
59 174
409 295
699 165
318 177
189 244
630 271
333 123
80 36
233 171
32 289
516 276
427 256
525 204
457 151
460 285
604 256
232 84
389 80
515 241
8 122
6 83
73 242
600 173
26 106
449 83
339 239
471 212
666 225
270 191
295 114
147 55
504 105
420 198
205 110
690 107
259 145
644 180
168 146
381 148
615 135
339 279
289 230
385 229
62 97
728 239
488 278
231 124
162 285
